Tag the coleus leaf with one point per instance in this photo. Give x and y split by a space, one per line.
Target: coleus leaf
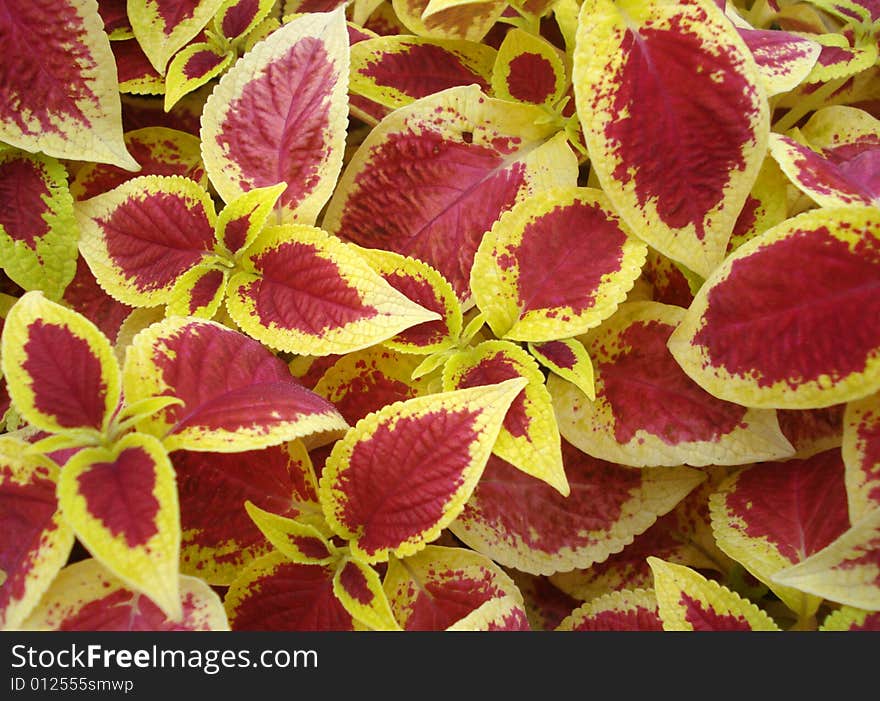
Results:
66 104
503 613
440 586
825 182
359 588
637 67
238 397
765 207
422 284
121 502
219 538
115 17
838 58
765 517
134 71
193 66
648 411
529 437
849 618
568 359
759 293
812 431
241 221
555 265
688 601
301 70
529 69
784 59
546 604
846 571
301 542
363 382
398 478
163 27
861 455
274 593
236 18
396 70
468 20
304 291
87 597
63 376
36 540
38 231
158 150
630 610
140 237
434 176
199 291
522 522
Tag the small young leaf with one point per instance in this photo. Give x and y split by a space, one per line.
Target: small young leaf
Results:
358 587
403 473
241 221
122 503
236 18
529 69
784 59
200 290
299 541
192 67
61 369
569 360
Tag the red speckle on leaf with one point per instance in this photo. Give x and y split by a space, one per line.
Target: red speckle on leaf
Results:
493 370
420 70
120 495
706 619
66 376
531 79
124 610
648 390
275 131
22 203
431 198
654 91
766 296
355 583
448 598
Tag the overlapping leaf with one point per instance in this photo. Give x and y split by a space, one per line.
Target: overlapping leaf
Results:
435 175
122 504
299 540
38 232
688 601
36 540
236 18
301 70
631 610
134 71
87 597
194 66
449 19
784 59
812 431
774 515
359 588
759 293
66 104
529 437
521 522
440 586
849 618
555 266
637 69
569 360
861 455
238 397
403 473
304 291
529 69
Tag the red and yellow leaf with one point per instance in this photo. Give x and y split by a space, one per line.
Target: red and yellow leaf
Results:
163 27
784 59
861 455
194 66
687 601
36 540
403 473
241 221
503 613
529 69
766 206
812 431
87 597
301 70
760 293
61 370
849 618
140 237
449 19
396 70
529 437
637 69
359 588
200 290
569 360
38 231
304 291
134 71
555 266
647 411
299 541
767 518
522 522
121 502
236 18
435 175
274 593
239 396
219 538
846 571
66 104
625 610
441 586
